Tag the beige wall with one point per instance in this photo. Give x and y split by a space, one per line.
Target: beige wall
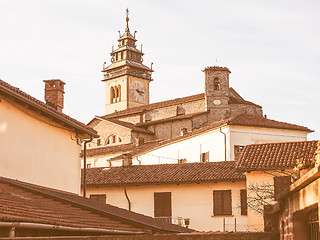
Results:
37 152
194 201
260 178
106 129
213 142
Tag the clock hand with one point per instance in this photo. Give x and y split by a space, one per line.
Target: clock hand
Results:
140 92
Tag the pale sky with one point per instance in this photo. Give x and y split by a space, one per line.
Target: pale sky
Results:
272 48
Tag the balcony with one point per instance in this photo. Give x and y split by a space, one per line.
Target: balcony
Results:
131 72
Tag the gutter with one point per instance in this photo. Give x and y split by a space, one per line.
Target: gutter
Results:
49 111
13 225
85 165
225 145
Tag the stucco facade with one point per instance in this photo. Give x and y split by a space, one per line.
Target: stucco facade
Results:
42 153
193 201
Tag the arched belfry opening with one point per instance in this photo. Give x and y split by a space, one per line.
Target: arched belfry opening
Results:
216 84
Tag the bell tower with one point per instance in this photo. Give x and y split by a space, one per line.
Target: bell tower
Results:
217 92
126 78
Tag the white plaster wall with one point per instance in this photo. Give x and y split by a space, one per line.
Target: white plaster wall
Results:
213 141
242 135
36 152
189 148
194 201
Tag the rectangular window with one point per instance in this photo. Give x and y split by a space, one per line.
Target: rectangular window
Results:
243 199
204 157
162 204
222 204
101 198
88 165
99 142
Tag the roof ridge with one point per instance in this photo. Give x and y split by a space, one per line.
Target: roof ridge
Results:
274 143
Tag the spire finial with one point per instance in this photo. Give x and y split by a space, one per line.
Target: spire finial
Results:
127 19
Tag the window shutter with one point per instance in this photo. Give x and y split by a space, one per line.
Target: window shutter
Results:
244 206
222 204
162 204
217 203
227 203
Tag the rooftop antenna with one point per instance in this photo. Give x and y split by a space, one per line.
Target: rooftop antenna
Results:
141 47
216 61
119 33
134 34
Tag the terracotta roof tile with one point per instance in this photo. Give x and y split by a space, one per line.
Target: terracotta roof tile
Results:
276 155
257 121
15 92
129 125
239 120
216 68
155 105
164 174
25 202
175 118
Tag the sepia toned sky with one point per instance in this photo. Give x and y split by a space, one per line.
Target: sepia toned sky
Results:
271 47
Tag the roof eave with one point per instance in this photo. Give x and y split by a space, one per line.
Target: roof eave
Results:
48 111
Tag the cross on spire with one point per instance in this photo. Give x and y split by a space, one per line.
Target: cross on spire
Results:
127 19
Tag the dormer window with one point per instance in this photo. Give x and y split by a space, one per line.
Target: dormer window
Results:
216 84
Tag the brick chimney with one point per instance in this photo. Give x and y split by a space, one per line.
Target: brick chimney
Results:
53 93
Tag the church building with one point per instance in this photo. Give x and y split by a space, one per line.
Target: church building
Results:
130 119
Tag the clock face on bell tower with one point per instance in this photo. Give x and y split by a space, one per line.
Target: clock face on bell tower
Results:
138 91
126 78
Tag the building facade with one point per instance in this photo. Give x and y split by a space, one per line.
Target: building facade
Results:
38 143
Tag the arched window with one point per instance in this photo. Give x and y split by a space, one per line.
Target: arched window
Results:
113 139
121 55
116 56
119 93
216 84
112 95
116 93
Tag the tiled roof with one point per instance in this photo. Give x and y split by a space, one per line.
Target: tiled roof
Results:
164 174
235 98
24 202
175 118
257 121
276 155
16 93
109 149
239 120
156 105
121 148
216 68
129 125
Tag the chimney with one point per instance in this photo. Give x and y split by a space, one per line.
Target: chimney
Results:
53 93
127 160
139 141
183 131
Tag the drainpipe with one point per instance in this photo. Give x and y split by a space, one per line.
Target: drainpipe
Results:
225 145
125 193
85 165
